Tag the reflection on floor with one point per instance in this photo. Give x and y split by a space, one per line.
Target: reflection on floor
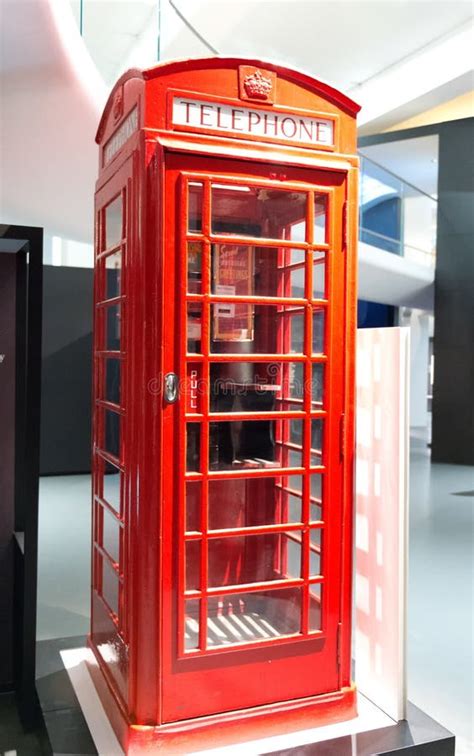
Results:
440 619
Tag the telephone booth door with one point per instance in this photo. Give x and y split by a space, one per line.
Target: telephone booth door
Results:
252 497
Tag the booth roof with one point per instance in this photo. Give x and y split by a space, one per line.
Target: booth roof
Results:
317 85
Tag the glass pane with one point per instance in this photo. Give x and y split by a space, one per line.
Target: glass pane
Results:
317 386
315 512
249 502
194 327
316 482
193 565
297 282
195 194
292 458
296 432
293 323
296 484
319 275
113 275
193 451
237 560
193 505
195 267
235 268
191 624
112 433
316 442
315 607
232 322
293 380
113 222
253 444
111 535
292 557
318 331
255 387
297 231
255 211
112 487
112 380
112 327
256 329
320 219
251 617
248 270
295 508
297 256
315 563
110 586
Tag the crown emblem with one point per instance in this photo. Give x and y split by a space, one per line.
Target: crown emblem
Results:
117 108
257 86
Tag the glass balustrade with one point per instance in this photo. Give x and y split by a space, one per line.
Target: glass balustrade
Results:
396 216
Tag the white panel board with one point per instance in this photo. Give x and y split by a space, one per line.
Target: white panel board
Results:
381 516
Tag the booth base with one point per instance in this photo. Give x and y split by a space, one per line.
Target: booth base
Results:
220 730
77 722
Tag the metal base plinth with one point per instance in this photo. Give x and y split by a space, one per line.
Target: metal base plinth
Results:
220 730
87 724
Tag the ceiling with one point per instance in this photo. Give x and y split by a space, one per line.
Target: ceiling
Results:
112 30
345 42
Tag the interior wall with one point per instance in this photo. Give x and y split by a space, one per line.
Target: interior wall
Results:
453 406
67 370
419 323
7 462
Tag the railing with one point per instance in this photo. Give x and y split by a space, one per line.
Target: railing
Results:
396 216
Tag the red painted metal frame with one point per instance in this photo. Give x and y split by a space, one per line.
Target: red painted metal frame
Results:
157 695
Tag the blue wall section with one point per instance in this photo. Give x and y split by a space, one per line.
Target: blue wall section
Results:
374 314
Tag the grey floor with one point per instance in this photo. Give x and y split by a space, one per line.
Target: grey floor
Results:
441 569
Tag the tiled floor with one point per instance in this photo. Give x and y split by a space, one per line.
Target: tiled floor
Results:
440 622
64 556
67 729
440 597
14 741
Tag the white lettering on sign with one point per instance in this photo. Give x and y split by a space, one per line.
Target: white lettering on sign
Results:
261 123
194 390
123 133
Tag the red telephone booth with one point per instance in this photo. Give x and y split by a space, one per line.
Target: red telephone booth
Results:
224 396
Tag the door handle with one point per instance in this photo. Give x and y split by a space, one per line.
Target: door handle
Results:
170 392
